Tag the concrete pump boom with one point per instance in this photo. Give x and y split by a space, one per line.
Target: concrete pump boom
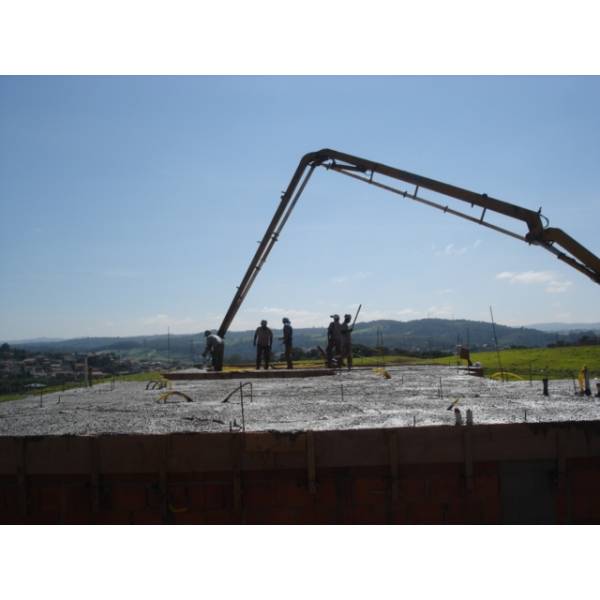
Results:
554 240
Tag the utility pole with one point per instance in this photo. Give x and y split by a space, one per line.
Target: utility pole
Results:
169 345
496 342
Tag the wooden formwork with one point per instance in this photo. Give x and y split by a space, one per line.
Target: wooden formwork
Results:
472 474
247 374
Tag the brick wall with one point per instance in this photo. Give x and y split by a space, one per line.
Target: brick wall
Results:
485 474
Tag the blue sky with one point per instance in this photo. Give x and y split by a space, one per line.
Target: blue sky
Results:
132 204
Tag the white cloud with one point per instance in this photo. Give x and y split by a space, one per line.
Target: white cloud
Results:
476 244
552 283
440 312
452 250
402 314
558 286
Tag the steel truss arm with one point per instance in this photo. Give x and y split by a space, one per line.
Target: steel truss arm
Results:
554 240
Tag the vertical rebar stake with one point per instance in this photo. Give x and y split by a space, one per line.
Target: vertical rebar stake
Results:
242 401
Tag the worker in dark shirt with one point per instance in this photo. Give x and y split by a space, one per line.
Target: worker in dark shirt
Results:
346 336
215 347
263 340
287 341
334 342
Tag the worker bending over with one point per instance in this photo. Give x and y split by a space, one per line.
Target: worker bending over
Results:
263 340
215 347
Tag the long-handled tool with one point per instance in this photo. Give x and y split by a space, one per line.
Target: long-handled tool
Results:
356 315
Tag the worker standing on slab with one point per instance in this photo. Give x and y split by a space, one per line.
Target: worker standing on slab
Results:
263 340
334 341
215 346
346 337
287 341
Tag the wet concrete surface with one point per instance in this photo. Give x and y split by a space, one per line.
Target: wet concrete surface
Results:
363 398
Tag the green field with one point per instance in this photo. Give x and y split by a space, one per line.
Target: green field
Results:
554 363
72 385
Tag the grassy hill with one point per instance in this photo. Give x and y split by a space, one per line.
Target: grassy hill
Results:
555 363
416 336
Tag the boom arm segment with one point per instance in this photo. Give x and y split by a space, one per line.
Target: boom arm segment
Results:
551 239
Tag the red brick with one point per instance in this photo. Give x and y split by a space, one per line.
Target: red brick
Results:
259 494
490 511
425 513
325 492
585 480
9 504
272 516
114 517
412 489
49 498
42 518
217 517
125 496
447 488
369 490
147 516
459 511
321 514
218 496
178 499
365 514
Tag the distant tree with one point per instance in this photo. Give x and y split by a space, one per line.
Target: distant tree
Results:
359 350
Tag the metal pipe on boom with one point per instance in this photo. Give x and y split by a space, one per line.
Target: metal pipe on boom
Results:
279 219
552 239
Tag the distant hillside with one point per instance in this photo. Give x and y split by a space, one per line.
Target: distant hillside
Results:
412 336
40 340
566 327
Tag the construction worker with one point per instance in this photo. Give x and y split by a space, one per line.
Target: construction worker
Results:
263 340
346 336
334 342
287 341
215 347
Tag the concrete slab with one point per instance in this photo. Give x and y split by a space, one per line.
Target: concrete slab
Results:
413 396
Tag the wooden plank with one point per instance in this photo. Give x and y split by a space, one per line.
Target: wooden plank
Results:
393 448
263 374
468 457
311 466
